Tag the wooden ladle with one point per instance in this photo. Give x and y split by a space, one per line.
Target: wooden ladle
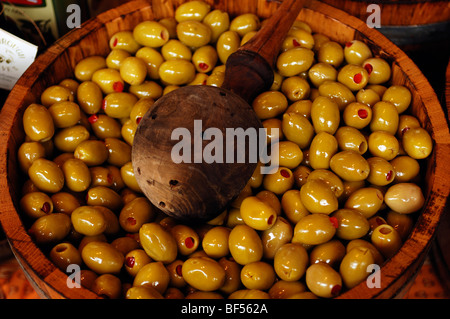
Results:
192 188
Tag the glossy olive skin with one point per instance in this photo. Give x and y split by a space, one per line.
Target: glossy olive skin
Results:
386 240
325 115
417 143
332 180
330 253
257 214
368 97
227 43
38 123
193 10
119 104
89 97
314 229
28 152
352 224
245 245
153 274
249 294
64 202
353 268
102 258
158 243
109 80
384 117
65 254
283 289
88 221
297 129
258 275
291 261
50 229
46 175
124 40
77 176
378 69
135 213
294 61
205 58
406 168
381 171
356 52
218 21
104 126
351 139
337 92
232 275
295 88
143 292
280 181
245 23
177 72
187 239
350 166
193 33
323 280
331 52
104 196
276 236
67 139
215 242
119 152
107 285
135 260
65 113
269 104
384 145
366 200
290 154
127 174
85 68
398 95
404 198
292 206
133 70
151 34
357 115
203 273
317 197
322 148
36 204
321 72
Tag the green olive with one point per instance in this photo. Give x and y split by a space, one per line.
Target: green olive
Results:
350 166
353 268
417 143
65 254
116 57
297 129
143 292
258 275
323 280
257 214
76 175
302 107
245 245
332 53
330 253
386 240
245 23
124 40
317 197
46 175
227 43
351 224
104 126
85 68
331 179
384 117
356 52
321 72
294 61
177 72
175 49
50 229
366 200
36 204
38 123
276 236
218 21
269 104
158 243
215 242
186 238
119 104
353 76
325 115
314 229
108 80
192 10
298 37
368 97
127 173
384 145
64 202
28 152
290 154
65 113
291 261
91 152
279 181
249 294
351 139
398 95
134 214
337 92
133 70
67 139
322 148
104 196
102 258
203 273
90 97
295 88
153 60
88 221
151 34
357 115
193 33
381 173
153 274
378 69
406 168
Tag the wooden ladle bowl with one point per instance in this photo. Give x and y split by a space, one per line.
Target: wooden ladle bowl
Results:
198 188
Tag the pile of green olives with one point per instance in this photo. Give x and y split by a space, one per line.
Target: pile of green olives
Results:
344 196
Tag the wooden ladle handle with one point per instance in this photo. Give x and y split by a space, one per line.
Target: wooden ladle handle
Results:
249 70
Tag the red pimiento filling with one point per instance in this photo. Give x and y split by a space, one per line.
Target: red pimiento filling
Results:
131 221
369 68
103 104
357 78
93 118
203 66
110 178
334 221
115 42
348 44
285 173
163 35
118 86
362 113
130 262
295 43
270 220
189 242
336 290
389 175
138 119
46 207
178 270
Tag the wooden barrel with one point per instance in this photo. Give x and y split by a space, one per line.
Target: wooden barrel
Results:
59 60
410 24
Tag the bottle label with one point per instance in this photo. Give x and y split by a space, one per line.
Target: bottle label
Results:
16 55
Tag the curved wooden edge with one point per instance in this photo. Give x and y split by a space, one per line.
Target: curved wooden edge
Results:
56 279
